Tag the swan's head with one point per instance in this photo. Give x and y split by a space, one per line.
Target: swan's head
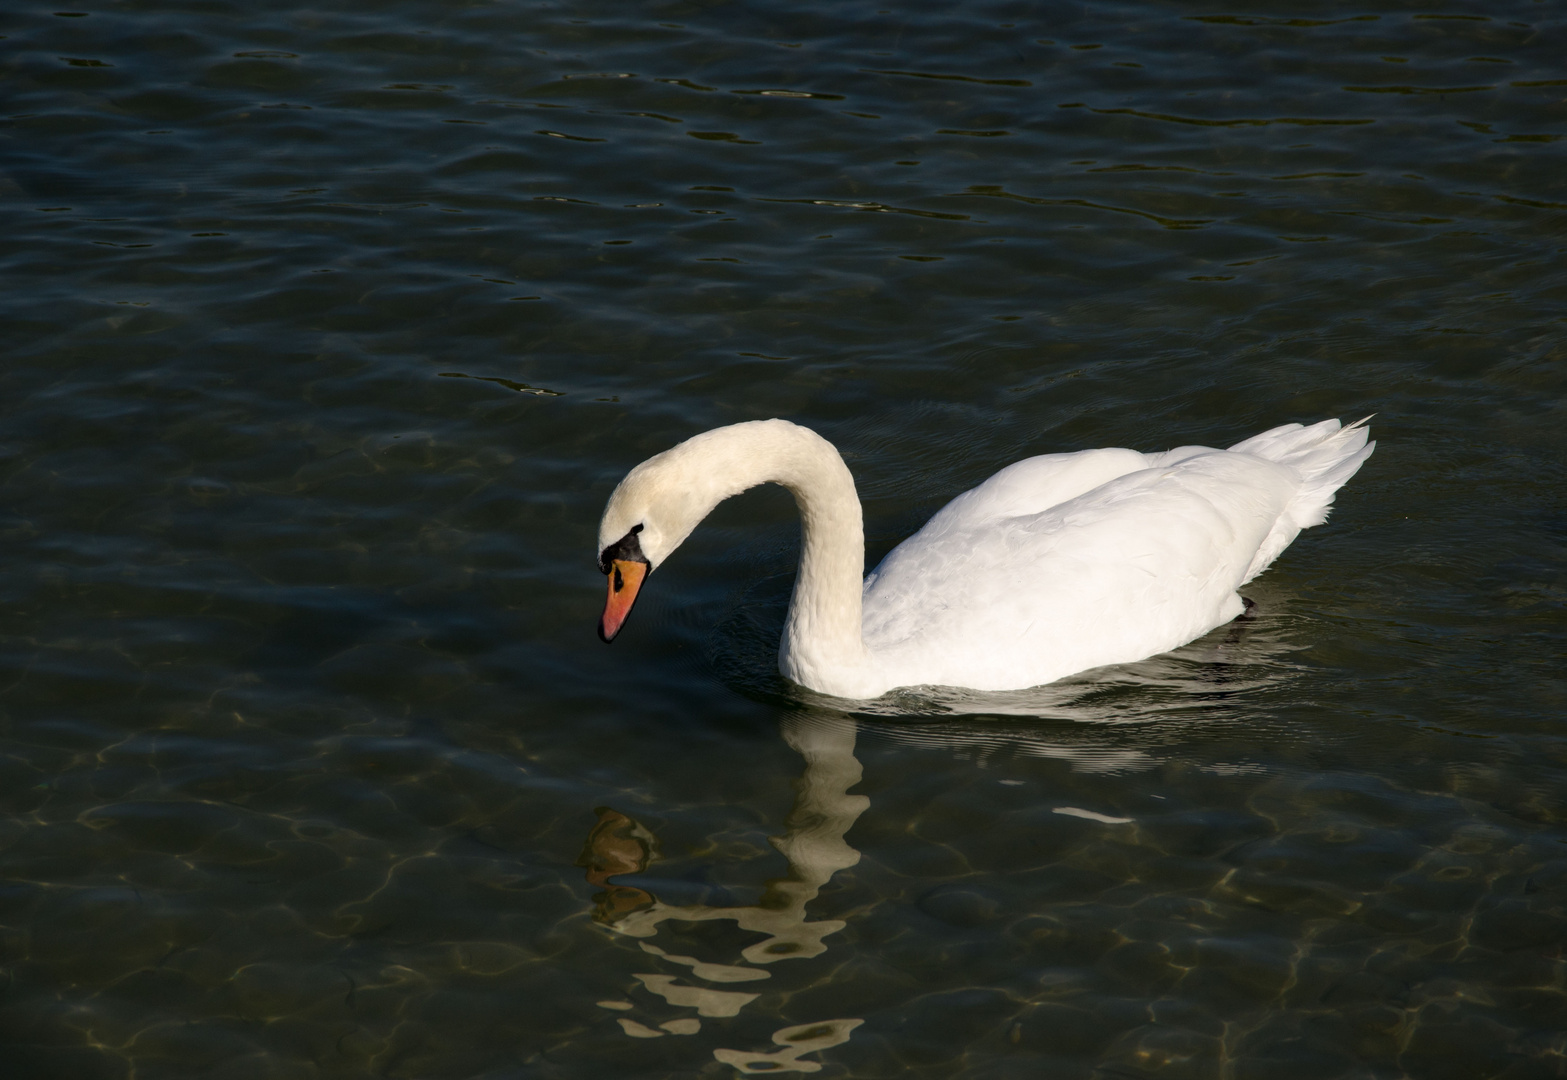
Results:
655 508
660 501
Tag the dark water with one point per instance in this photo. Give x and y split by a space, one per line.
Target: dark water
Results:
328 330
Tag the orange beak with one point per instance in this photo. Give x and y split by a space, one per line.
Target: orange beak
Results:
625 579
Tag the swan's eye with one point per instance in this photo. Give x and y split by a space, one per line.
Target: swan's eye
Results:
620 582
626 548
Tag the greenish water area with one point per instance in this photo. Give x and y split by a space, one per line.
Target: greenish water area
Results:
328 330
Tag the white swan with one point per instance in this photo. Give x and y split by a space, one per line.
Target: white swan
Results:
1054 565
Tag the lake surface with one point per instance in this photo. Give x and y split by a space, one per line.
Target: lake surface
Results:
328 331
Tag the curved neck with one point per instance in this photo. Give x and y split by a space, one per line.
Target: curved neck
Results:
668 495
821 637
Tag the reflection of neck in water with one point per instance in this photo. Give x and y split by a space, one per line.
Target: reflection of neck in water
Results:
814 846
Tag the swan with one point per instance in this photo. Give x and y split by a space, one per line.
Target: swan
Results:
1056 564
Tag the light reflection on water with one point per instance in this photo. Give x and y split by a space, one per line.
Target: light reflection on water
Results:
1248 896
814 847
1258 913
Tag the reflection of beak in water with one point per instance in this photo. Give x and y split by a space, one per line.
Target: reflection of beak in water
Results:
617 845
814 846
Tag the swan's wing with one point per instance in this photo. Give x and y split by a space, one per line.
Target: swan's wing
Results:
1133 567
1176 456
1031 486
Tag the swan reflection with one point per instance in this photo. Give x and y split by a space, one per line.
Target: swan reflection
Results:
814 846
1116 720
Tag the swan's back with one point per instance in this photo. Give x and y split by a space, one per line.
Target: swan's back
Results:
1070 561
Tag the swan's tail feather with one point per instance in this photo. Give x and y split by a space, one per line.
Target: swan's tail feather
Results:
1325 455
